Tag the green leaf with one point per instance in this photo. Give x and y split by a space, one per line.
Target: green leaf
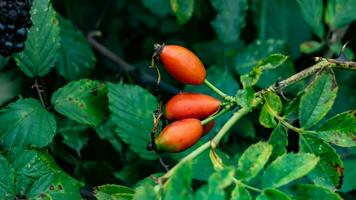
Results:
74 134
83 101
113 192
131 110
77 58
271 62
29 166
244 97
253 160
7 179
279 141
329 171
349 182
218 181
309 47
230 19
57 186
340 13
183 9
10 86
26 123
317 99
3 61
246 60
271 108
178 185
312 192
145 192
273 194
340 129
283 20
240 193
287 168
43 42
229 84
160 8
312 11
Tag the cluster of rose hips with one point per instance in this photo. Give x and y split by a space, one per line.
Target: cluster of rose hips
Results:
184 110
15 19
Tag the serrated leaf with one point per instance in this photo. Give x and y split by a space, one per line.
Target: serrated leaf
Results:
287 168
230 19
218 181
317 99
329 170
131 110
309 47
253 160
145 192
340 129
29 166
43 42
179 184
279 141
113 192
26 123
246 60
84 101
77 58
283 20
271 108
244 97
340 13
312 11
270 62
7 179
273 194
56 186
183 9
240 193
158 7
312 192
3 61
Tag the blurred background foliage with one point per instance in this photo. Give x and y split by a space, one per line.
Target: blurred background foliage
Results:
229 36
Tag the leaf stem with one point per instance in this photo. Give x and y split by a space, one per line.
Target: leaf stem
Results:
39 92
227 126
217 115
216 90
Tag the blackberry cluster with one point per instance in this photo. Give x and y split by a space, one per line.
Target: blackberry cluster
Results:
15 20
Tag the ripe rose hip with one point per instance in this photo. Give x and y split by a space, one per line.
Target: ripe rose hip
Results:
182 64
191 105
179 135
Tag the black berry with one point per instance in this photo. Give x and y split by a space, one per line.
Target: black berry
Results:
15 20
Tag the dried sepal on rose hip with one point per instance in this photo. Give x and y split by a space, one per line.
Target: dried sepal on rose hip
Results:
181 63
191 105
179 135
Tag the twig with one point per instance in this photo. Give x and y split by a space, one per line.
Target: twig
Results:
144 79
39 92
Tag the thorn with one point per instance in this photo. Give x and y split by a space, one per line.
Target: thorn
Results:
342 55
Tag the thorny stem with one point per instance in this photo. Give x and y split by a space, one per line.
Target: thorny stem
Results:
39 92
243 111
